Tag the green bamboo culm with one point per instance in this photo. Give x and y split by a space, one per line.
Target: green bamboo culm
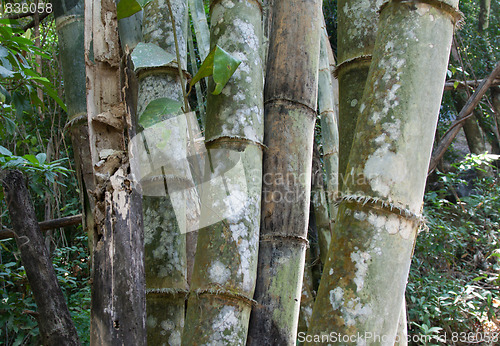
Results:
225 268
290 112
364 279
357 28
165 215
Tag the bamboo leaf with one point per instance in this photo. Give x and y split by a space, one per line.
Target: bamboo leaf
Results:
150 55
224 67
219 64
158 108
126 8
206 69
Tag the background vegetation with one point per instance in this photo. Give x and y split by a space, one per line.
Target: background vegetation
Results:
453 284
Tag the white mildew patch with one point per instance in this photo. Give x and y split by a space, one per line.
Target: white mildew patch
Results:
175 338
219 273
360 260
384 169
359 215
167 325
392 224
363 15
354 311
336 298
393 129
248 33
151 321
354 102
227 3
376 220
331 271
226 327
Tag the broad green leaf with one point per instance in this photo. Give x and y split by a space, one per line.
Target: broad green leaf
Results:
5 151
158 108
126 8
4 73
4 95
219 64
455 84
41 157
224 67
31 158
150 55
3 51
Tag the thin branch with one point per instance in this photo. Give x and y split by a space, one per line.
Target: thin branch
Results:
450 84
46 225
462 116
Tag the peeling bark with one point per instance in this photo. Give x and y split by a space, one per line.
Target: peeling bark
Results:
290 112
118 288
364 279
54 320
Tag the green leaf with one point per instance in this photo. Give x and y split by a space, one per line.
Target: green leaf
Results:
3 51
31 158
4 95
4 73
158 108
5 151
41 157
206 68
455 84
150 55
224 67
221 65
126 8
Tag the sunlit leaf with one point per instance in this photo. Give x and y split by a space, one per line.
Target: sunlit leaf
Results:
224 67
5 151
126 8
219 64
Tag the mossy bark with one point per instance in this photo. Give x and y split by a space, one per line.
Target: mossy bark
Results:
357 28
225 266
118 289
164 199
290 111
365 276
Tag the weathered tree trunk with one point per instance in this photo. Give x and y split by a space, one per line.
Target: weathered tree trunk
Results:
357 28
54 320
364 280
165 212
118 287
69 26
473 134
471 103
225 267
290 106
